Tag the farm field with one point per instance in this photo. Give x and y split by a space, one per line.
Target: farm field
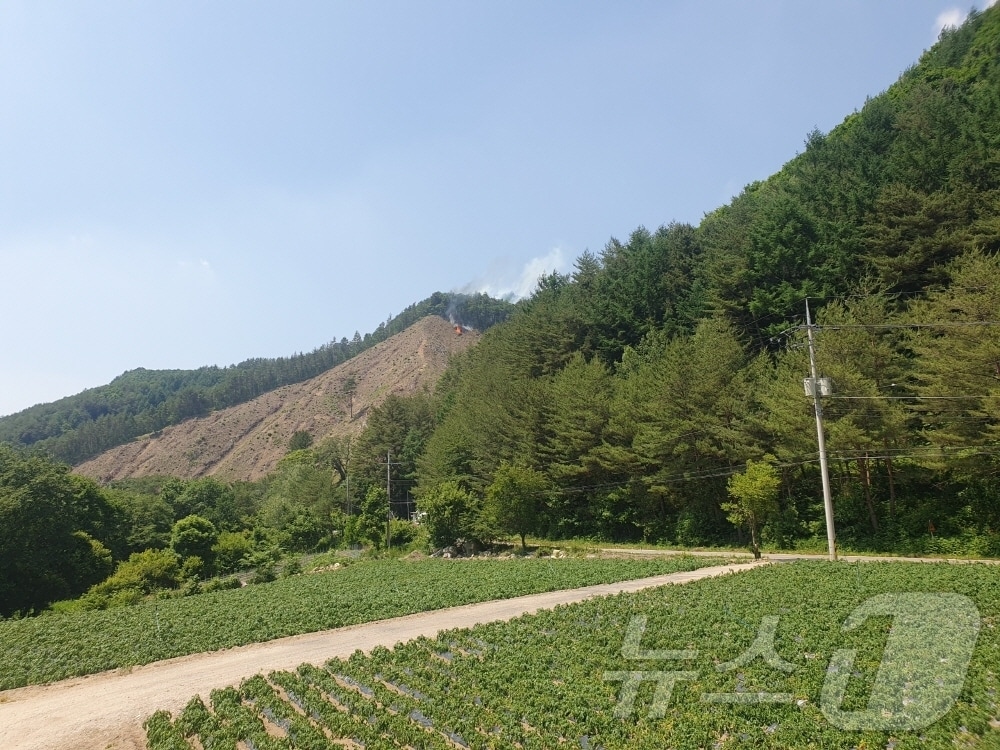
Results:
758 659
53 647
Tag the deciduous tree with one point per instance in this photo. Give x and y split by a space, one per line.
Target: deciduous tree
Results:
514 499
754 494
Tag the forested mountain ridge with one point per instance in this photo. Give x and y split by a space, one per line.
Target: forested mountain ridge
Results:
245 442
897 190
630 391
142 401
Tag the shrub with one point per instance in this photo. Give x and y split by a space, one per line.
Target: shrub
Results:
191 568
221 584
402 533
300 441
89 560
291 568
230 551
194 536
143 573
450 513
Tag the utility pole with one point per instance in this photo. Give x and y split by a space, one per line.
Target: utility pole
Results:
831 534
388 496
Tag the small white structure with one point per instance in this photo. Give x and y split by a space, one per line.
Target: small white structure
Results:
825 386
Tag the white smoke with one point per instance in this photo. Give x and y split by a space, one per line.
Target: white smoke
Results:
948 19
503 281
954 17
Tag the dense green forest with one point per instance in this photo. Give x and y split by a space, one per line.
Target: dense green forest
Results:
620 401
142 401
629 392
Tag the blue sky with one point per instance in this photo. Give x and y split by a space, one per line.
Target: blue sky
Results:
187 183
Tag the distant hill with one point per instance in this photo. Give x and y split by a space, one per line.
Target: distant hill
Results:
142 401
245 442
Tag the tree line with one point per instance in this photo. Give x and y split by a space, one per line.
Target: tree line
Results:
641 382
645 449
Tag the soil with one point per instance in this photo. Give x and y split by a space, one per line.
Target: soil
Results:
245 442
106 711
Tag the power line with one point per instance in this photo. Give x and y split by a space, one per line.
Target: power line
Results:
905 398
389 463
842 456
879 326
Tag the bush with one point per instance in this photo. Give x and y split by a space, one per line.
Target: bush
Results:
265 573
451 514
88 560
265 564
221 584
402 533
230 551
300 441
94 599
191 568
143 572
194 536
303 533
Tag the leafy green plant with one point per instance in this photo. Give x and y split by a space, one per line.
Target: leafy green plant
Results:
143 572
194 536
451 514
754 494
53 646
755 662
300 440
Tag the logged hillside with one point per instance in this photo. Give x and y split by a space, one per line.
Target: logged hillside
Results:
245 442
141 401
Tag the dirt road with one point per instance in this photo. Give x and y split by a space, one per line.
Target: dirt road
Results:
106 711
791 556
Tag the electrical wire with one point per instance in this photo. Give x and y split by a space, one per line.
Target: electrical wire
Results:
880 326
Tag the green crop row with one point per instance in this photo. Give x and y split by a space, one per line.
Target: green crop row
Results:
56 646
756 653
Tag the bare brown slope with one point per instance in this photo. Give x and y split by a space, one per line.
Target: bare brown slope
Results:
245 442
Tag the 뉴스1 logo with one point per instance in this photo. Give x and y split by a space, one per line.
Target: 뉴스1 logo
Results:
919 679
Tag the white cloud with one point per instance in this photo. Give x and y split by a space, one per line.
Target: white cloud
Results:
949 18
515 284
200 270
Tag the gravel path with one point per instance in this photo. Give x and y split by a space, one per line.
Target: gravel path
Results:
105 711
